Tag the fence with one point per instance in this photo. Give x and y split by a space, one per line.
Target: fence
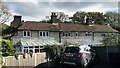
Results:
27 62
108 54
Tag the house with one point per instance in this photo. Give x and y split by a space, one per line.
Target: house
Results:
32 35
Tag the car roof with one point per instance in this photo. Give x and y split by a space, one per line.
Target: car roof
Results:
82 46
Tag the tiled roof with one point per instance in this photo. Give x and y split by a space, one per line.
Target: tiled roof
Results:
92 28
31 25
42 26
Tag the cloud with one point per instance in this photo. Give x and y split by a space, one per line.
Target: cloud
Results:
38 9
62 0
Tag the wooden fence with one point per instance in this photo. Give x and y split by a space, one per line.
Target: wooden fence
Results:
108 54
27 62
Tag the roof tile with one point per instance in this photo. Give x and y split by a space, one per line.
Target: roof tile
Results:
43 26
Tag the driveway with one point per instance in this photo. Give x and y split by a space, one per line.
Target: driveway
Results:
72 66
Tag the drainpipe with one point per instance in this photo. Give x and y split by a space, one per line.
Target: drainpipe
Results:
60 36
93 35
60 33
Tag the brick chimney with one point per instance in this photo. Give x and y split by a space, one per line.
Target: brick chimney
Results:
17 21
89 20
54 17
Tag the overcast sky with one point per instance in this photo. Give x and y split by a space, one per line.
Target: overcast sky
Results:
39 9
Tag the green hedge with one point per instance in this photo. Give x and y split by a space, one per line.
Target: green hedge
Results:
54 52
7 48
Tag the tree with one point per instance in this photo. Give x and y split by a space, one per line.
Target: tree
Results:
54 52
62 17
111 39
111 17
79 17
4 27
6 31
97 17
7 48
4 13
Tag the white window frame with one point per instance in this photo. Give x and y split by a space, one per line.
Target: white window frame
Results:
26 31
66 34
45 34
77 34
88 33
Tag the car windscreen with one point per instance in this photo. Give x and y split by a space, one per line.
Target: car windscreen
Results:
71 49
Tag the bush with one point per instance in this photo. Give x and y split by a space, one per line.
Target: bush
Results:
7 48
54 52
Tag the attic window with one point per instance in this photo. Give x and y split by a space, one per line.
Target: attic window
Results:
26 33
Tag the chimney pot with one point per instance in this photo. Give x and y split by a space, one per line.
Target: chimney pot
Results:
53 17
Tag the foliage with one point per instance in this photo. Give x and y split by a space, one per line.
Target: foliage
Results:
80 15
111 39
54 52
116 26
75 45
6 31
98 17
111 17
4 12
3 27
1 58
7 48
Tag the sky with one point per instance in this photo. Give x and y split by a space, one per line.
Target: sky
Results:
36 10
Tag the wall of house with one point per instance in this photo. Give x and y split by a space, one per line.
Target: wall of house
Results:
55 35
97 36
35 34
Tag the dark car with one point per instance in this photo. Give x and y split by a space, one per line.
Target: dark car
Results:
78 55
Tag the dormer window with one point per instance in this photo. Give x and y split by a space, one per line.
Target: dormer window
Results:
26 33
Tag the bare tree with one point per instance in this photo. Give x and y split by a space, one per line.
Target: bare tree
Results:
4 13
62 17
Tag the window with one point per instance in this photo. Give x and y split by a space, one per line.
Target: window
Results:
103 34
26 33
43 33
66 34
77 33
88 33
72 49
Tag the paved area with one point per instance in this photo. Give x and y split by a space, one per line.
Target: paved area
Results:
72 66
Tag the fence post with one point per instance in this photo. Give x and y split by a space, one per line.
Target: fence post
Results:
35 59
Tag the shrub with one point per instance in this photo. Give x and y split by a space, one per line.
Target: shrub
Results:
54 52
7 48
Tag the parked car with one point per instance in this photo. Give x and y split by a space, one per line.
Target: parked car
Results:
78 55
